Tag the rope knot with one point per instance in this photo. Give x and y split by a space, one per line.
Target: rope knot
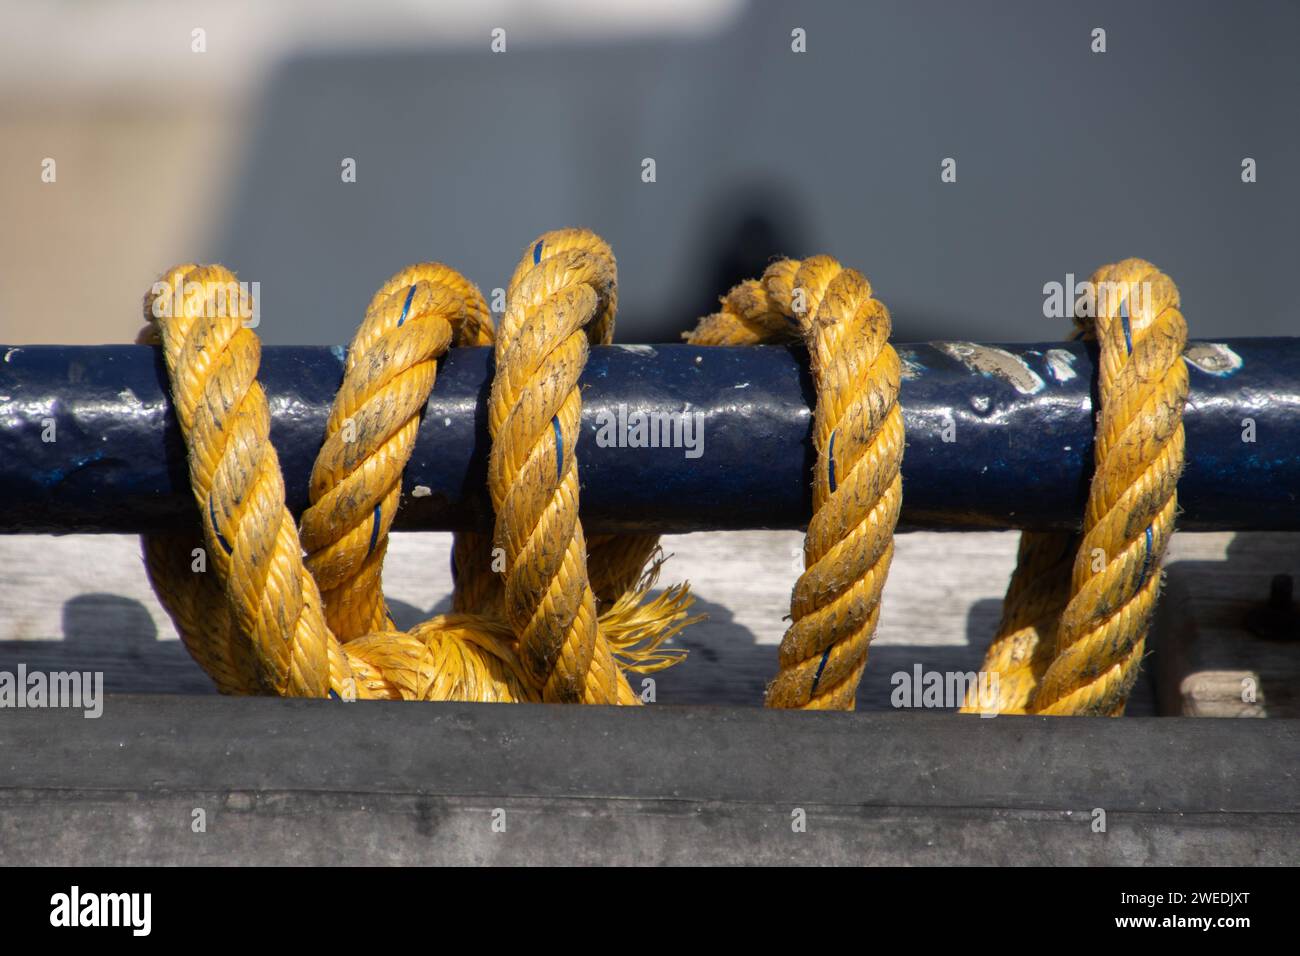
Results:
273 620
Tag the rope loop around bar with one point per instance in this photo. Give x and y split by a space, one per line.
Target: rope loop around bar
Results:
1077 610
857 485
282 610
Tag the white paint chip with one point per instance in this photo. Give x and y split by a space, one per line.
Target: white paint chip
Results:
995 362
1060 365
421 491
912 368
1213 358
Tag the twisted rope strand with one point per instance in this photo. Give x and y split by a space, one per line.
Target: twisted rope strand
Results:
1133 498
257 622
357 479
561 297
1077 610
857 486
271 600
1031 610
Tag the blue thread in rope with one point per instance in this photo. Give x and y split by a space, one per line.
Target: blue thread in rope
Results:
212 513
830 475
559 447
830 464
1124 323
374 531
537 253
817 678
1146 560
406 306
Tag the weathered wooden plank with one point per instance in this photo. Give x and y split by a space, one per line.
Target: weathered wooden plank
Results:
83 601
1210 663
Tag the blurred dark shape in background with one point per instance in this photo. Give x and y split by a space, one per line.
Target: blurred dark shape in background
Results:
747 230
1066 160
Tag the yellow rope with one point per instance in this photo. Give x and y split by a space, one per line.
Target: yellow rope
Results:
273 606
357 479
561 298
566 619
857 488
1077 610
256 619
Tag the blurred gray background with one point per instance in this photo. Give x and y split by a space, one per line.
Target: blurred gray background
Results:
1066 158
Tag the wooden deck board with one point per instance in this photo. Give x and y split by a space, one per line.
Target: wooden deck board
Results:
83 602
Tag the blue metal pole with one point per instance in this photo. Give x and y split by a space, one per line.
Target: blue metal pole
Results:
998 437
